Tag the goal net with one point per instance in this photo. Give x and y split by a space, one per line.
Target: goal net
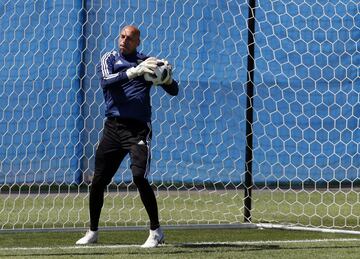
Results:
305 128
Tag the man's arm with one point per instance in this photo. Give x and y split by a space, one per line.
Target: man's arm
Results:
105 68
107 77
172 89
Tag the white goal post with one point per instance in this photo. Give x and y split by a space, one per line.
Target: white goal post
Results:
300 168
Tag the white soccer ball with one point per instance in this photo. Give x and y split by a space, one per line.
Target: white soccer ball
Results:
161 75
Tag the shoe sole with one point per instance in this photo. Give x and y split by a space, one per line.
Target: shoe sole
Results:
89 243
84 244
160 243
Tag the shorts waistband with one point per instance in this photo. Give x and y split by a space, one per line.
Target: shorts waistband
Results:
126 120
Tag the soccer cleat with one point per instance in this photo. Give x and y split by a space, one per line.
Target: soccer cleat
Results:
155 238
90 237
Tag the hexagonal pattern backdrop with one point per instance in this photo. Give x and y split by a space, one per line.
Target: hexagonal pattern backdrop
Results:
306 107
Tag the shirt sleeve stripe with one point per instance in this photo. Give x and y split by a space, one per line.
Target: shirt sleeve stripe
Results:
104 65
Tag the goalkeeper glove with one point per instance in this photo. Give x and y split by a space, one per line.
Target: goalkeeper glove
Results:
146 66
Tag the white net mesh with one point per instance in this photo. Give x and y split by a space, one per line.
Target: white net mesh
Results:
306 105
306 112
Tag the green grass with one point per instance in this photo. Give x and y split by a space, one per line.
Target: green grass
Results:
309 208
228 243
339 208
305 207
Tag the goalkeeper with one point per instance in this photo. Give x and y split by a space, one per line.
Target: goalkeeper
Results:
127 129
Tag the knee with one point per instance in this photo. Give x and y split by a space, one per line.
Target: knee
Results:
99 183
139 172
140 181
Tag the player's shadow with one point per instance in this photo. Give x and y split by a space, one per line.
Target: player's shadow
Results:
256 247
67 255
247 247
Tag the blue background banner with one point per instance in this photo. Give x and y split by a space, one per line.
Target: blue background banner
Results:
306 104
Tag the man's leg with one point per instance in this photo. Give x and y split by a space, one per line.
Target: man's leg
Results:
140 164
140 160
107 160
106 165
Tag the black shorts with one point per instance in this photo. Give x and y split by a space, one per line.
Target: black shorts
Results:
122 137
124 133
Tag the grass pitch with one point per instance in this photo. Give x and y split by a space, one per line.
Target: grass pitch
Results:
323 208
201 243
307 207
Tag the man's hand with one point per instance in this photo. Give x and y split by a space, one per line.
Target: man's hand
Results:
147 66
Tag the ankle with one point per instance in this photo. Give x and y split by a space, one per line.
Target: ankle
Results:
154 227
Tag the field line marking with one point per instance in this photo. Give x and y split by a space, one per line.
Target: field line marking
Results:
278 241
269 242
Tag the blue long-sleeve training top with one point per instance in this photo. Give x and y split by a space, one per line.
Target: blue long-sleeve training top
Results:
123 97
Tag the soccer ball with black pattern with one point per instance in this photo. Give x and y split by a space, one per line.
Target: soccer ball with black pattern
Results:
162 74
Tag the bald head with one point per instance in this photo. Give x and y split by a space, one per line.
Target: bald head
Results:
129 39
